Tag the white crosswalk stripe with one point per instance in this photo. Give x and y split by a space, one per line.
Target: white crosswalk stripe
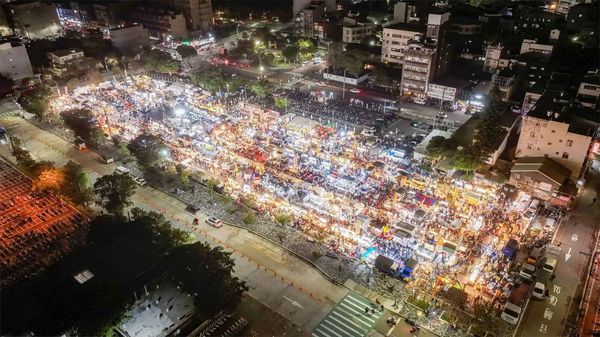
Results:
348 319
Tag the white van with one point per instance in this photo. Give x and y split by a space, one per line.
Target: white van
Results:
539 290
511 313
550 264
122 170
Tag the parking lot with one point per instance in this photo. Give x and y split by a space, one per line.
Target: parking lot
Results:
36 227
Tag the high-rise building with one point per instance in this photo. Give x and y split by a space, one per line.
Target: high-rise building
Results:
419 66
162 24
14 61
35 20
197 13
395 39
354 30
299 5
129 39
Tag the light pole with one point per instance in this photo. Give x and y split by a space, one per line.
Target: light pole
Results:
256 44
344 85
261 71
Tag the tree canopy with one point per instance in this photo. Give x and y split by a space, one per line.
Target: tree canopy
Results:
84 125
352 61
36 101
114 191
261 88
207 273
186 51
147 148
159 61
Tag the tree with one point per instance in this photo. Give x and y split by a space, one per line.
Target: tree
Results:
207 274
211 79
261 88
468 159
290 52
76 185
281 102
84 125
148 149
186 51
340 57
49 178
382 77
36 102
436 147
6 86
307 48
114 192
159 61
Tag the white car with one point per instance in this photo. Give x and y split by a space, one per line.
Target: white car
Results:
355 90
216 223
419 101
528 271
550 264
538 290
140 181
321 84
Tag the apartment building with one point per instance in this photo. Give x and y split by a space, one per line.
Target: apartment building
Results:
588 93
419 66
496 58
162 24
14 61
557 130
197 13
395 40
64 56
355 30
129 39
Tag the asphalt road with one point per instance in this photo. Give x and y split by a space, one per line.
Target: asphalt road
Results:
549 317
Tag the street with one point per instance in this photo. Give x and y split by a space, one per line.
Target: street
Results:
575 236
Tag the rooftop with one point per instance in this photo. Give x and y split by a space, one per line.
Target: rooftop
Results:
582 120
411 27
66 52
545 166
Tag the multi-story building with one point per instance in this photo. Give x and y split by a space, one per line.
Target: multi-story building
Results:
563 6
197 13
354 30
558 130
506 80
129 39
496 58
395 39
162 24
35 20
14 61
64 56
307 18
533 22
299 5
588 93
419 66
542 177
531 46
72 13
107 13
409 11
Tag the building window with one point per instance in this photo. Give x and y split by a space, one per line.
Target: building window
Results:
532 135
569 143
549 143
557 153
565 155
560 140
546 155
528 146
553 131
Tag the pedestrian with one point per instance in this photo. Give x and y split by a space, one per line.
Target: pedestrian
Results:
366 310
381 306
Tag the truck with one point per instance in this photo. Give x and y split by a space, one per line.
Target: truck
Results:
401 270
514 306
551 258
510 249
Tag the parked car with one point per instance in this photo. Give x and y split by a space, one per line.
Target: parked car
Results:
107 159
320 84
355 90
539 290
212 221
140 181
122 170
528 271
192 209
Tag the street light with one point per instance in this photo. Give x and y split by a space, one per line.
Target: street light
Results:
261 71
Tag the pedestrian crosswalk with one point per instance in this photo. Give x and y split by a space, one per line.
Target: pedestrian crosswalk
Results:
348 318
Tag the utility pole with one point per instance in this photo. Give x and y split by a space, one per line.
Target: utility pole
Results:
344 85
